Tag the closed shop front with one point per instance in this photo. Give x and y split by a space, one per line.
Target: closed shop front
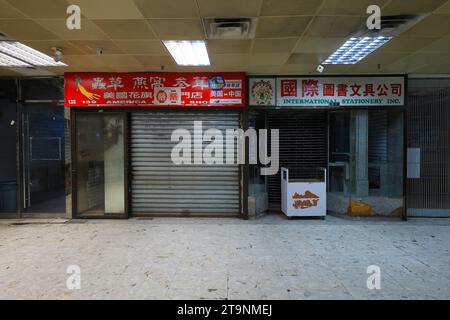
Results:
33 165
428 184
161 187
128 144
351 128
303 146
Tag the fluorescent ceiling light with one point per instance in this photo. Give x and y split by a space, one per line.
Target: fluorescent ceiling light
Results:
188 53
356 49
28 57
7 61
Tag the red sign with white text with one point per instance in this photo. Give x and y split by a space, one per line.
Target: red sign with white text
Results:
205 89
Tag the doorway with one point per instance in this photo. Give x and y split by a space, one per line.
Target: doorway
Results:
43 159
100 170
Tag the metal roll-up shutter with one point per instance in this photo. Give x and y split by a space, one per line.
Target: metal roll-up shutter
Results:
161 187
303 146
428 118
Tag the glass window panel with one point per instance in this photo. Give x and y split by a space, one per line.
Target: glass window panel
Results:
100 166
8 123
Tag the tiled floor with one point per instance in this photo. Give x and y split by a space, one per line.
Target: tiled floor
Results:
267 258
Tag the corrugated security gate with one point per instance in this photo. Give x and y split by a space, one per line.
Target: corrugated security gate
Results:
161 187
428 183
303 146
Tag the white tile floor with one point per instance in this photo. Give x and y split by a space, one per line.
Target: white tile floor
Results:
268 258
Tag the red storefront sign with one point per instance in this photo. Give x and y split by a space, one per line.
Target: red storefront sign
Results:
205 89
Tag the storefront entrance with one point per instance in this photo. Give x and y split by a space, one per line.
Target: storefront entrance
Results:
303 146
158 186
99 169
352 127
43 158
123 144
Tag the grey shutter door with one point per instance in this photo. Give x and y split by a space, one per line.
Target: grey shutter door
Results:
303 147
161 187
428 195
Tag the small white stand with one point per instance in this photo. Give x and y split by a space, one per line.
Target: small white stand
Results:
303 197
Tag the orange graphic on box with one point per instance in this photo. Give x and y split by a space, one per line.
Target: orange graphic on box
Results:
305 201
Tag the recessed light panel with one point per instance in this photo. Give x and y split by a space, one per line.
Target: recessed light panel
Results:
356 49
188 53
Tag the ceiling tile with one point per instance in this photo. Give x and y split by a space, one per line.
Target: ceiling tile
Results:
445 9
268 59
411 6
7 72
229 8
289 7
263 70
155 61
46 46
119 60
381 58
178 29
77 61
349 7
304 58
440 45
228 46
88 31
101 61
318 44
363 69
435 67
167 9
90 46
279 27
108 9
414 61
7 11
229 59
86 68
274 45
406 44
148 47
126 29
435 25
302 68
25 30
333 69
335 26
45 9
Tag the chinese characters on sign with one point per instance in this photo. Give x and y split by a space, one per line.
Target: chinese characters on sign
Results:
155 89
337 91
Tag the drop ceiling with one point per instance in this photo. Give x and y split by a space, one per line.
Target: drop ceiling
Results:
292 36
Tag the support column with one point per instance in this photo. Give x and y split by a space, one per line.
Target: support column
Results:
361 121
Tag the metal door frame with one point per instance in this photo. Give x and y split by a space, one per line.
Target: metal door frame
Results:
22 175
75 112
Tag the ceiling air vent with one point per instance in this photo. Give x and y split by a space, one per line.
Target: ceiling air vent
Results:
230 28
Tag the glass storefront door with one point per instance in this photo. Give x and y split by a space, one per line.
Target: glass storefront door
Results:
43 158
8 156
100 171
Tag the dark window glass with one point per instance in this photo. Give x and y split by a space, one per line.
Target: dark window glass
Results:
42 89
8 123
